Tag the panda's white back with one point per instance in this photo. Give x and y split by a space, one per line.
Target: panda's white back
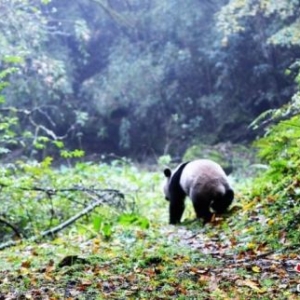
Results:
202 174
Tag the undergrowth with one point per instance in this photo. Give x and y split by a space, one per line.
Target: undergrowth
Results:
132 253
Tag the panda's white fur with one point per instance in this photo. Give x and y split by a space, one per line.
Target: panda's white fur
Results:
204 182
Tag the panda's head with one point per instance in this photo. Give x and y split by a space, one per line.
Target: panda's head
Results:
172 186
168 175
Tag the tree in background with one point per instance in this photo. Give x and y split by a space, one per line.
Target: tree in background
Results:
40 74
276 26
142 77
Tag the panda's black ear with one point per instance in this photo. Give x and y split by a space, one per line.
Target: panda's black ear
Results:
167 172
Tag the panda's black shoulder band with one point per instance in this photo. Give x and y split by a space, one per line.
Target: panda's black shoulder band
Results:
174 185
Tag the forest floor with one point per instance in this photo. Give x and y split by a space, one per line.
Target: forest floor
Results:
162 262
250 253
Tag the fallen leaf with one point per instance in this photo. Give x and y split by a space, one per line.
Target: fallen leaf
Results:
297 268
251 284
26 264
86 282
213 218
213 283
251 246
256 269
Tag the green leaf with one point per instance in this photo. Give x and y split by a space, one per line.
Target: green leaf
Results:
2 99
97 222
133 219
106 230
13 59
58 144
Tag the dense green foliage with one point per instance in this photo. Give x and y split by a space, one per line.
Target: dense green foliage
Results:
145 77
279 187
36 197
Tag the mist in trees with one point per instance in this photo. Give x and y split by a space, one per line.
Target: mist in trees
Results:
139 78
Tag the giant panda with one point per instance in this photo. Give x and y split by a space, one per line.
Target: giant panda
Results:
204 182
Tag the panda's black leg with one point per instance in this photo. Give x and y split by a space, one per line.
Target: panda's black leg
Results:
176 210
201 207
222 202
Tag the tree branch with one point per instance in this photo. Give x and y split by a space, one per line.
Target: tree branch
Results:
15 229
99 200
73 219
117 17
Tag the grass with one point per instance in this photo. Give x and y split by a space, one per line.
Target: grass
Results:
135 254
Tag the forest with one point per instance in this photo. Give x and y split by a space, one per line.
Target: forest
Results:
98 97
